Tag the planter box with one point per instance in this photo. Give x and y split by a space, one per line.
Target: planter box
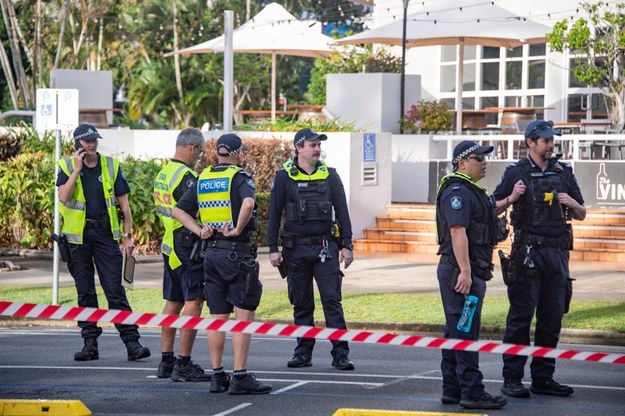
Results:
371 101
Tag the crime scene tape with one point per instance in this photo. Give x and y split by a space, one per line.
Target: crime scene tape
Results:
76 313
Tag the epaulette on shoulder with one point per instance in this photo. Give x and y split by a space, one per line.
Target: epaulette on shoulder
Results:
245 173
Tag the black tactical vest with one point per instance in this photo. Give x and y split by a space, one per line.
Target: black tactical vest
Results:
541 205
312 196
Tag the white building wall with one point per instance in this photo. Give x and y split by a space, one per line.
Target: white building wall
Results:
426 61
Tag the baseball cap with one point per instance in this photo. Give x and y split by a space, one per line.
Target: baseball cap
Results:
86 132
541 128
231 143
466 147
307 134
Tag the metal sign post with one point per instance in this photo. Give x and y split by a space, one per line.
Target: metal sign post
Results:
56 109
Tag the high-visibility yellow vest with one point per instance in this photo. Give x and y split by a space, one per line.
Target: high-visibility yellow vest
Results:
165 183
213 194
294 173
74 211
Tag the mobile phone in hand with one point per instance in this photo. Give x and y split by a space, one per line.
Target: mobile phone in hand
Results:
78 146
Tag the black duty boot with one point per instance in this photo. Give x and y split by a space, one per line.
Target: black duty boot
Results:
136 351
89 351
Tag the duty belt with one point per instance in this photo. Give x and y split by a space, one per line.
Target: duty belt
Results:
238 246
480 268
539 241
313 239
101 223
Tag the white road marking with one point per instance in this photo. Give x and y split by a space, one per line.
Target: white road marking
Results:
291 387
394 377
234 409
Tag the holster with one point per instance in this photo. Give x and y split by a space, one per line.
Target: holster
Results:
64 250
198 250
249 274
185 238
508 269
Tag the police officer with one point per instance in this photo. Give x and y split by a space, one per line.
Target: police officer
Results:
183 279
465 218
307 190
544 194
225 198
91 188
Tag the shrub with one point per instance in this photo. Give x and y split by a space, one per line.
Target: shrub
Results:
427 116
27 194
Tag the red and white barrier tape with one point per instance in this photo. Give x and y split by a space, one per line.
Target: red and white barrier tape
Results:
73 313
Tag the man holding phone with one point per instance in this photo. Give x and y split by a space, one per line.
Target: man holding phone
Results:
91 188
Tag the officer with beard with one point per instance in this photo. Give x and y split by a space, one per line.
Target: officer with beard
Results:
544 196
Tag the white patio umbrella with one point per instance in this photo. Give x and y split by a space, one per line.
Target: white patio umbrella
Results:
457 22
273 31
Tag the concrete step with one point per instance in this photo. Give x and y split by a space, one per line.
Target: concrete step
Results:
411 228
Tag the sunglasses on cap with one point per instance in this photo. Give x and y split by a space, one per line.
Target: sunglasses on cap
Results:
480 158
545 125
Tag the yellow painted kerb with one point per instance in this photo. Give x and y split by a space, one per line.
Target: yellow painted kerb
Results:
370 412
43 407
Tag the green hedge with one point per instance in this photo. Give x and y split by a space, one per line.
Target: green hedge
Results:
28 175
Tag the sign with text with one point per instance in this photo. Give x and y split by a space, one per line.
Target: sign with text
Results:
56 109
368 147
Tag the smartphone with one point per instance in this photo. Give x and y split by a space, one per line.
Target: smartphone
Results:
77 146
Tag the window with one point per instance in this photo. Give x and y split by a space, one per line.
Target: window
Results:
448 78
514 71
468 103
485 102
448 53
536 74
573 81
469 77
515 52
489 52
538 50
490 76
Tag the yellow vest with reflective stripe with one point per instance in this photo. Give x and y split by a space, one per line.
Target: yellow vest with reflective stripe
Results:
213 195
294 173
74 211
165 183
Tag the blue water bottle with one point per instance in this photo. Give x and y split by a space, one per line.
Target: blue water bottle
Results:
470 304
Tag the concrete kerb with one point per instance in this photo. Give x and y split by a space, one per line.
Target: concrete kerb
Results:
569 335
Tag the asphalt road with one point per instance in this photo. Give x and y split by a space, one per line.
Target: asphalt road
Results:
37 363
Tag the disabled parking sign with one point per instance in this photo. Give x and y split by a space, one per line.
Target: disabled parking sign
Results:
56 109
368 147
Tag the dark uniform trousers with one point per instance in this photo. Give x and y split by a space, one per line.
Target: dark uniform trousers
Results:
545 293
302 264
99 246
460 369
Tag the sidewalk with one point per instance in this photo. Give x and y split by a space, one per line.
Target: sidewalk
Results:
370 273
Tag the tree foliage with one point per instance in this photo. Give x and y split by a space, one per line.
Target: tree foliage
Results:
598 44
350 59
130 37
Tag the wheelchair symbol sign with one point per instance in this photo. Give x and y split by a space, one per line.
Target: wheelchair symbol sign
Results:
46 110
368 147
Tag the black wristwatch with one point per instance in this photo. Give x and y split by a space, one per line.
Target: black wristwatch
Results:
349 246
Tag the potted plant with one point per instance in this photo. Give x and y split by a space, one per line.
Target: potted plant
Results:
427 117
